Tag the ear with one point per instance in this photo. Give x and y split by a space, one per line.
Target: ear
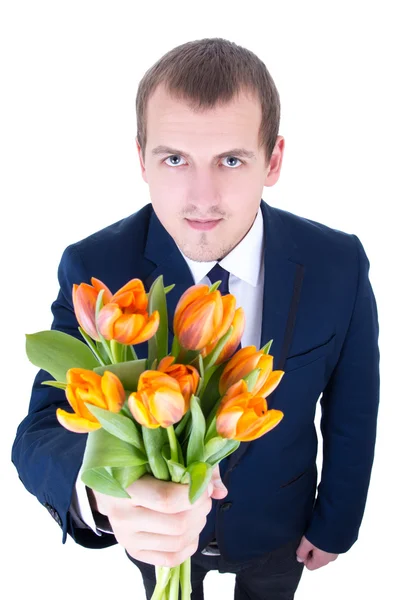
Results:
275 163
141 159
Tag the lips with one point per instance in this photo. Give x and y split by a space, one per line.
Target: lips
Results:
203 225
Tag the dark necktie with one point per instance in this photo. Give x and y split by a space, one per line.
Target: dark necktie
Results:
218 273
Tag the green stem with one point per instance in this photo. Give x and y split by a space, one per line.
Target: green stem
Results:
184 576
163 575
173 443
114 351
174 584
135 356
91 345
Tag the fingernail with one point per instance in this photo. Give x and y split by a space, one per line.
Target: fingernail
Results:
218 484
300 559
210 489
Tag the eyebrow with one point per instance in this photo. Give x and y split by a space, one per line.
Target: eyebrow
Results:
239 152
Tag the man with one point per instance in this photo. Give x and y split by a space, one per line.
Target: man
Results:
208 119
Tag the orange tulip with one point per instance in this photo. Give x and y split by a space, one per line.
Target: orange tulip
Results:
186 375
233 342
125 319
242 363
84 298
105 391
158 401
244 417
202 317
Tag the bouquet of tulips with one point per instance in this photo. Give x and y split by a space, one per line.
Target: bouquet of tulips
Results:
173 414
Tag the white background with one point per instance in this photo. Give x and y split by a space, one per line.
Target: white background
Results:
69 75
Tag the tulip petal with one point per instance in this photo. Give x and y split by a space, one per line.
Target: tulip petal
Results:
76 423
197 328
149 329
98 286
84 299
127 327
140 411
113 391
241 363
165 363
106 319
187 298
271 420
132 295
271 384
231 345
167 406
226 422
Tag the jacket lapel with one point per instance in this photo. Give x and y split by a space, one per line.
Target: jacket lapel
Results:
164 253
283 275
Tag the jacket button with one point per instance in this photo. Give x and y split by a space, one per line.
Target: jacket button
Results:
53 513
226 505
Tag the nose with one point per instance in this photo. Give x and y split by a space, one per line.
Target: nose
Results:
203 190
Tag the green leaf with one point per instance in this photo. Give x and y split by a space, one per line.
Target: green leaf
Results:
251 379
158 344
127 372
56 352
122 427
125 476
214 446
211 358
105 450
197 475
195 449
214 286
182 424
56 384
176 470
198 363
267 347
229 448
176 349
101 481
210 391
169 288
154 440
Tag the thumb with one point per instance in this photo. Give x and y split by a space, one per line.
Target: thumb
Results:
304 549
219 489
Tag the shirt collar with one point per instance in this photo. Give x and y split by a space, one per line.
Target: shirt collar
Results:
244 261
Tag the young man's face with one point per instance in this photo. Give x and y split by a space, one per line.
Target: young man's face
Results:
206 202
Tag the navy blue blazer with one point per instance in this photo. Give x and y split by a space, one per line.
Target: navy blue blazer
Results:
320 311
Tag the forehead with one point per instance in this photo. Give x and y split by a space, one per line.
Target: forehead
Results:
172 119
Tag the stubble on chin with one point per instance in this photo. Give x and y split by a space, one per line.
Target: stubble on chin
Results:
203 250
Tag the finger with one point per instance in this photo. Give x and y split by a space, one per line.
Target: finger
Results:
303 550
144 520
160 496
167 559
315 561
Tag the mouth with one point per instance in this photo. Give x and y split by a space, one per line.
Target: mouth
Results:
203 225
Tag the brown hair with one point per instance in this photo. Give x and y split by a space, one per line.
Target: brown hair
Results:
211 71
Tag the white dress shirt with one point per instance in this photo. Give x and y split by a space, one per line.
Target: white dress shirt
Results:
245 264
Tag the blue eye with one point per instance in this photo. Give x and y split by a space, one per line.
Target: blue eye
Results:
174 156
234 158
177 157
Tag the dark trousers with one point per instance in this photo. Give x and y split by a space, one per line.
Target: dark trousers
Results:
274 577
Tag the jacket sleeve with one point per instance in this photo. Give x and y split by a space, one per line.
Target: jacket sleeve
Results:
349 408
47 456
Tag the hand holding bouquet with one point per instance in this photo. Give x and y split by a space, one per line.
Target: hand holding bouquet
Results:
174 415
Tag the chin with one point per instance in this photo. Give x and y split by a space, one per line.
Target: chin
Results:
202 253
